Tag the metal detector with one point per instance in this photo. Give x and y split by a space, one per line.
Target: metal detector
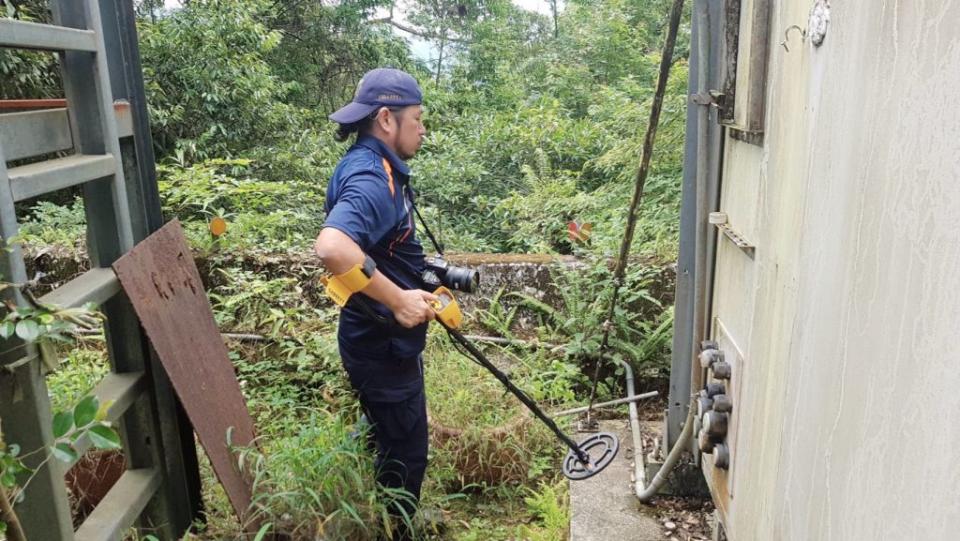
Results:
582 461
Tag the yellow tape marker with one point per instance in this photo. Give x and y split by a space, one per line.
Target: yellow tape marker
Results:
218 226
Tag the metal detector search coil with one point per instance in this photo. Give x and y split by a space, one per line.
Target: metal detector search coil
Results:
602 448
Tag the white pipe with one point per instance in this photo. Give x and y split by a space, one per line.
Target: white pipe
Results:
639 467
644 493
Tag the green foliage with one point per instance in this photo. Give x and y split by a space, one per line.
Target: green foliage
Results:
531 131
327 46
211 91
49 224
46 325
549 504
279 215
498 445
86 422
84 363
585 293
28 74
319 482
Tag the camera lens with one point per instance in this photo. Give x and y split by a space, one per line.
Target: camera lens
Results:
462 279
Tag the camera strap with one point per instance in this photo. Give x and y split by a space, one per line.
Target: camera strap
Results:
433 240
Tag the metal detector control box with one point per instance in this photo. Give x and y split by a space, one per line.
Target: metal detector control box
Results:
447 308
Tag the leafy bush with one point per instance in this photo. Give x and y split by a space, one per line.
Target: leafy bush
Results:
28 74
585 297
49 224
265 215
211 91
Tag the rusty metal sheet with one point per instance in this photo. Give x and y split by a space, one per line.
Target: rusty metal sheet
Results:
163 284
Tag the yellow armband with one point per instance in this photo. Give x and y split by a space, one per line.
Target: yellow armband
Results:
342 286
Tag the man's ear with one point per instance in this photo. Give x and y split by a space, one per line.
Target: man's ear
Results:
384 119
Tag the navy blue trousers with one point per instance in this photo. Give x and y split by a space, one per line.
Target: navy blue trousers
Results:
392 395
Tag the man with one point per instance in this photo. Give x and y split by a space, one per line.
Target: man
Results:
369 240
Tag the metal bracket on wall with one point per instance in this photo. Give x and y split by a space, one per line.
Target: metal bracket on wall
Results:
719 219
712 98
750 137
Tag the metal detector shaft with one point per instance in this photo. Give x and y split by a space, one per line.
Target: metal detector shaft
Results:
582 456
530 404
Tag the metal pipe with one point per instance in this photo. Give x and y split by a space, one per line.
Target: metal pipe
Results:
643 491
703 204
616 402
640 469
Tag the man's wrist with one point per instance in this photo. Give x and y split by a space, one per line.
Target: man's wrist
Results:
394 297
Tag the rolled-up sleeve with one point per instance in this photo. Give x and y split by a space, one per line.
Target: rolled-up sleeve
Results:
364 210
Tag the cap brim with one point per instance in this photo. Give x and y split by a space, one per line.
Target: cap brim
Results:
352 112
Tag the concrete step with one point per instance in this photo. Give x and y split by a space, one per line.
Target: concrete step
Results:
603 507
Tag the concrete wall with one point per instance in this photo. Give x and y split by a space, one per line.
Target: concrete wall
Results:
847 321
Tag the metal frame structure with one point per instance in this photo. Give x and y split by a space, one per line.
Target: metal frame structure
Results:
111 159
701 195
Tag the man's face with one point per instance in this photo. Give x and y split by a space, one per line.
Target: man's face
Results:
409 131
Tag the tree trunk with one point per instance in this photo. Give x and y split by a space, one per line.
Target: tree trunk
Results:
556 25
443 41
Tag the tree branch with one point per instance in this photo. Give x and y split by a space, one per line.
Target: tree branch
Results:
9 516
416 32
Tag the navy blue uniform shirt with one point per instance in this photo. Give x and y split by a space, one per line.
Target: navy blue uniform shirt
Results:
369 198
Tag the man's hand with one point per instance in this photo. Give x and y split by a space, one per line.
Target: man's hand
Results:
412 307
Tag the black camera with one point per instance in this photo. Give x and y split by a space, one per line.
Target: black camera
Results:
440 273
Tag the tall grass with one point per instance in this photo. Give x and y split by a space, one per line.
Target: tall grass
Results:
319 483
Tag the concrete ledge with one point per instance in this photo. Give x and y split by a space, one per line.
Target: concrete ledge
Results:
604 507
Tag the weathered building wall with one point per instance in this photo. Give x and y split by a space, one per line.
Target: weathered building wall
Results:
848 318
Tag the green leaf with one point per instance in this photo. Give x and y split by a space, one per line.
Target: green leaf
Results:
263 531
28 330
62 423
7 328
64 453
104 410
8 479
104 437
86 411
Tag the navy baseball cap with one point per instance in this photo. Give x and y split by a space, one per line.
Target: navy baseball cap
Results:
381 87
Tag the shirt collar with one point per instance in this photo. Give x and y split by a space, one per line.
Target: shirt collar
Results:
380 148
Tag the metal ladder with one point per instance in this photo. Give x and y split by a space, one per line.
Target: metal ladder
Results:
152 493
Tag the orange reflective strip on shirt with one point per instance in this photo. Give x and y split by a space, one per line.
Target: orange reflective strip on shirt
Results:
386 166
